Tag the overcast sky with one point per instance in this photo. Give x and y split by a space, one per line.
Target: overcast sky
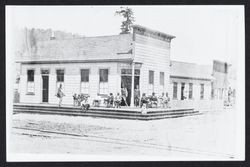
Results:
203 33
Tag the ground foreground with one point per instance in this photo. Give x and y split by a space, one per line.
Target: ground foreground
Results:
203 137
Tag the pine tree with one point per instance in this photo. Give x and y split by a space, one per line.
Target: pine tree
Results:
128 15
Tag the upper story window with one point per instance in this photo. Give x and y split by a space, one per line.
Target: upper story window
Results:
151 77
30 81
161 78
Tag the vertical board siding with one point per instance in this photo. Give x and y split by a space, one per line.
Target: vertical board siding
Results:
155 55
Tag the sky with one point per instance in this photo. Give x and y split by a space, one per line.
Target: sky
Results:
203 33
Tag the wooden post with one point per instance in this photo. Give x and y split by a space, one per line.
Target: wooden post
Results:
132 85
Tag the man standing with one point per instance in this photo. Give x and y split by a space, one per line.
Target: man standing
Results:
60 94
124 93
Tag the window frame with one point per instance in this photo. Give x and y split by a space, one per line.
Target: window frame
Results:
190 90
162 79
30 82
175 96
84 82
105 83
202 91
149 78
63 75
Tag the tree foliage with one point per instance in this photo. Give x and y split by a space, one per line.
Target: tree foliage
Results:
128 15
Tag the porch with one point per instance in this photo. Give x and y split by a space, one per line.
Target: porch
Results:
118 113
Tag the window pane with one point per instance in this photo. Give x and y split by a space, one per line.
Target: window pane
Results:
202 91
30 74
85 75
137 72
182 90
44 71
151 77
60 75
127 71
161 78
103 75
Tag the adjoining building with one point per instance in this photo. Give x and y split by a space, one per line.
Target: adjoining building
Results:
191 85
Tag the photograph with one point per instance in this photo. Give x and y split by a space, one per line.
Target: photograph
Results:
125 83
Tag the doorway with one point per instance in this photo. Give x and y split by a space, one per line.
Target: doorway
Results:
126 81
45 89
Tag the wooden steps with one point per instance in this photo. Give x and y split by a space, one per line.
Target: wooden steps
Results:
120 113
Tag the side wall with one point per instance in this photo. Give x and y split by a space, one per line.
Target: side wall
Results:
154 55
72 80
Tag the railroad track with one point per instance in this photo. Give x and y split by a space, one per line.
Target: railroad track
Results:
95 138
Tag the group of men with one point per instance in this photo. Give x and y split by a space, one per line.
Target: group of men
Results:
140 101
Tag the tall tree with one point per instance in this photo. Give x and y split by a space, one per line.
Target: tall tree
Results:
128 15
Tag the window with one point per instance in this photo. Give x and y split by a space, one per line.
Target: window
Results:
59 78
30 81
202 91
85 81
161 78
190 94
182 91
103 87
151 82
60 75
162 81
151 77
175 90
212 90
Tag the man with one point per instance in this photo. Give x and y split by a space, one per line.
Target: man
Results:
60 94
137 96
117 101
167 101
161 99
144 100
153 100
124 93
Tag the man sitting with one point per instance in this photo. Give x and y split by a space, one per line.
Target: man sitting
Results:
75 100
85 103
161 99
153 100
118 100
144 100
110 100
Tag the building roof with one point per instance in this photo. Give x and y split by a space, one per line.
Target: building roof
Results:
190 70
116 47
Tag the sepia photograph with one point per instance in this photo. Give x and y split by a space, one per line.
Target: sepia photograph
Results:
125 83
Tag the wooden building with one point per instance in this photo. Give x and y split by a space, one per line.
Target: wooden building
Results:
96 66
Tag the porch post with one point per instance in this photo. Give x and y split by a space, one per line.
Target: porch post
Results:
132 85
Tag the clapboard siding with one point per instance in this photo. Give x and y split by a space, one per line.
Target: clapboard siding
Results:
154 54
24 97
196 88
72 81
